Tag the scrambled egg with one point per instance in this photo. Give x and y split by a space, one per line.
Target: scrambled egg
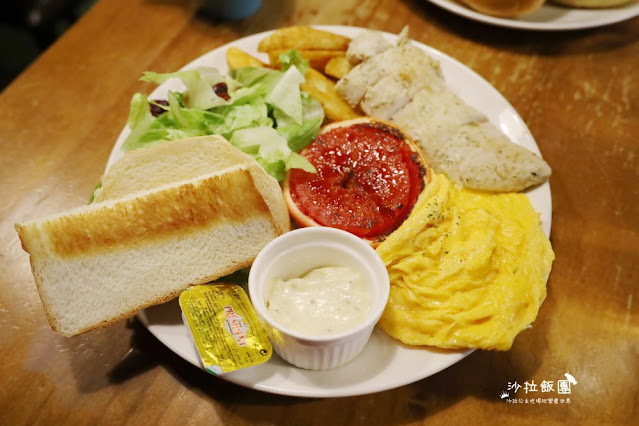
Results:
467 269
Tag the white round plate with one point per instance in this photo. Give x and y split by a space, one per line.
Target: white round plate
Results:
385 363
549 17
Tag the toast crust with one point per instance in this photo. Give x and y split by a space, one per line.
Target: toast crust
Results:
154 216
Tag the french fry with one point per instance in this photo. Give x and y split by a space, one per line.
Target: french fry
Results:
303 38
317 59
237 58
338 67
323 89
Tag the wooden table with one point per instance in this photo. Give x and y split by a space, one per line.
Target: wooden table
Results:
577 91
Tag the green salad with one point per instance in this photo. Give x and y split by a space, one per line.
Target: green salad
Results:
261 111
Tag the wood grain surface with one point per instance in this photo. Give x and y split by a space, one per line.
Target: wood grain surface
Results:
578 92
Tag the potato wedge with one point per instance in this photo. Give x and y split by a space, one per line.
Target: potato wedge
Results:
317 59
237 58
323 89
338 67
303 38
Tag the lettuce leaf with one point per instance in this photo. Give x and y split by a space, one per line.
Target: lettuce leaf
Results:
286 95
198 84
284 119
293 58
270 149
299 136
249 76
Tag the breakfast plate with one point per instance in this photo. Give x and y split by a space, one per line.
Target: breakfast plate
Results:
549 17
385 363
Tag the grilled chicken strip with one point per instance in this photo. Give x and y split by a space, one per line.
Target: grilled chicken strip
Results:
401 60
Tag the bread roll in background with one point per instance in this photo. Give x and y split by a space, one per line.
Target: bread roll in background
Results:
592 4
505 8
97 264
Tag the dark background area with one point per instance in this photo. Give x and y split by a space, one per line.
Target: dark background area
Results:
28 27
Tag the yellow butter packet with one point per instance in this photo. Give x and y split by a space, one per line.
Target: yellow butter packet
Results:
225 328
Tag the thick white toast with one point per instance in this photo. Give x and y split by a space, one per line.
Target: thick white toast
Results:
97 264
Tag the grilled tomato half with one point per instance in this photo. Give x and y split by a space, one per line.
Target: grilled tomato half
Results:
369 176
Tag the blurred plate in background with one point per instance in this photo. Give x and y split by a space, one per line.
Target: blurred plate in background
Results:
549 17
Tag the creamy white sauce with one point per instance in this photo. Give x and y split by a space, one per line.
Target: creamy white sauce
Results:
327 300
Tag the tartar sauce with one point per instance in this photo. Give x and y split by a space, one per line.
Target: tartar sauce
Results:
327 300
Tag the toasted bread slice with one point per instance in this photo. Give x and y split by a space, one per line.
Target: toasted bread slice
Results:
174 161
97 264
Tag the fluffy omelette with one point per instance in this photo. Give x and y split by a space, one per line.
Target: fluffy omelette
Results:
467 269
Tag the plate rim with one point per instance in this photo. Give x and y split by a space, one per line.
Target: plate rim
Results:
116 153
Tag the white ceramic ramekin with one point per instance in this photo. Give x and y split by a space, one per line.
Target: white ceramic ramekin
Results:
294 254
